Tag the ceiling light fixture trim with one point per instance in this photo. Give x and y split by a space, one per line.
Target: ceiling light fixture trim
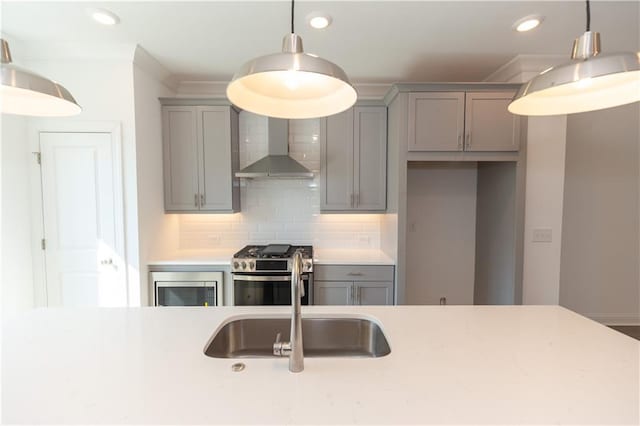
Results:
104 17
291 84
26 93
319 20
528 23
591 81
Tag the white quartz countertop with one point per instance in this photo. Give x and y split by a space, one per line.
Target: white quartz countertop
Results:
223 257
448 365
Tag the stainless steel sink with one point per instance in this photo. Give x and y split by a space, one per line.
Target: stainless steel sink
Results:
322 337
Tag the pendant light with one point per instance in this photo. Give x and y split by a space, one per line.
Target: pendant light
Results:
25 93
591 81
291 84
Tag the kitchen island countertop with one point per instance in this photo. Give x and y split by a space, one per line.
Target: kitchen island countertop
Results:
448 364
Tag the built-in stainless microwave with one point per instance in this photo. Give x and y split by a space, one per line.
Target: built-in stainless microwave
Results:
187 288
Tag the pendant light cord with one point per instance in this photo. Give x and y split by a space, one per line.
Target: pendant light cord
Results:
292 6
588 16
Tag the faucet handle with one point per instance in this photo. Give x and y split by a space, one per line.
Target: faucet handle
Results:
281 348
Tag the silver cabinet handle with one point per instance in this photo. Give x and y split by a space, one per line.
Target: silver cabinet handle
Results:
469 140
201 200
350 295
358 302
355 274
195 199
460 140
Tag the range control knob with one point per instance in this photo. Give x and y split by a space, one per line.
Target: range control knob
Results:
252 265
244 265
236 265
307 265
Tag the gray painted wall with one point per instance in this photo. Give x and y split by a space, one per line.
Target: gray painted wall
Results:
599 275
441 232
495 275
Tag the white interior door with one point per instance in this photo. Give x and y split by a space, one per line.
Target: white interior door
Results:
83 220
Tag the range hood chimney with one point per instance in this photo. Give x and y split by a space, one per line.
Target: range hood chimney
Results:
277 164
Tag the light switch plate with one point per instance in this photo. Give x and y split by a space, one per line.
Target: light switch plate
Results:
542 235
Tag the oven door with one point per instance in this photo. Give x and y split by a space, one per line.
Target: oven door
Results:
186 293
267 289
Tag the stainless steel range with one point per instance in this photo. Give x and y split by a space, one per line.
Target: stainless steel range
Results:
262 274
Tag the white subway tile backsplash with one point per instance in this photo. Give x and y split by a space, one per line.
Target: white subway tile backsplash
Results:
280 210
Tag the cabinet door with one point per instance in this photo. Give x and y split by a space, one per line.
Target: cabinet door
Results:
180 150
336 162
216 174
374 293
489 126
370 153
332 293
436 121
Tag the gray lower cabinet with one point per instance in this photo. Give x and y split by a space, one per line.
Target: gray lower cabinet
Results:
353 285
353 155
462 121
201 155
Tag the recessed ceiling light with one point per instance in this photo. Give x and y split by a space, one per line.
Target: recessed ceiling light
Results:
318 20
528 23
104 17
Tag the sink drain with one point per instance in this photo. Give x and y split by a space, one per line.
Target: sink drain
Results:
237 367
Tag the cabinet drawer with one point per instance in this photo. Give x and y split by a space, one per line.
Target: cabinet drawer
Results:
353 273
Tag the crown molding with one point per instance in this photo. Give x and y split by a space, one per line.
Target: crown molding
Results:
522 67
202 89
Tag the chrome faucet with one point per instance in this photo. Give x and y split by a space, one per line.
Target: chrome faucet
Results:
293 348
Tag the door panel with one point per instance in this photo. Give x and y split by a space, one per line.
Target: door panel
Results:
332 292
336 156
180 145
216 174
370 151
436 121
489 125
82 221
374 293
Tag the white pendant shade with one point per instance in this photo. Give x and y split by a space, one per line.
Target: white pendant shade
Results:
591 81
25 93
600 82
291 84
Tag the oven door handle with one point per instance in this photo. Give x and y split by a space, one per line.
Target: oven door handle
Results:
264 277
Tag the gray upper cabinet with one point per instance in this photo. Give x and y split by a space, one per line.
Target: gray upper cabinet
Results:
336 161
201 155
459 121
180 151
489 126
436 121
353 154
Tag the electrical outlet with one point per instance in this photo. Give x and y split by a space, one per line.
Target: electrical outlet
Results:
542 235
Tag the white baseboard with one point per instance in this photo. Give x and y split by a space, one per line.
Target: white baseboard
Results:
616 319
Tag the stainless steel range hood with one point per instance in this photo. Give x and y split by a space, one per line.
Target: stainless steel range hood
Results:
277 164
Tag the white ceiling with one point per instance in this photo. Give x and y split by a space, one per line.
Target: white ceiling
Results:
374 41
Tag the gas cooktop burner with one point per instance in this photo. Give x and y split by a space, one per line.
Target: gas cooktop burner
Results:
274 251
270 258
